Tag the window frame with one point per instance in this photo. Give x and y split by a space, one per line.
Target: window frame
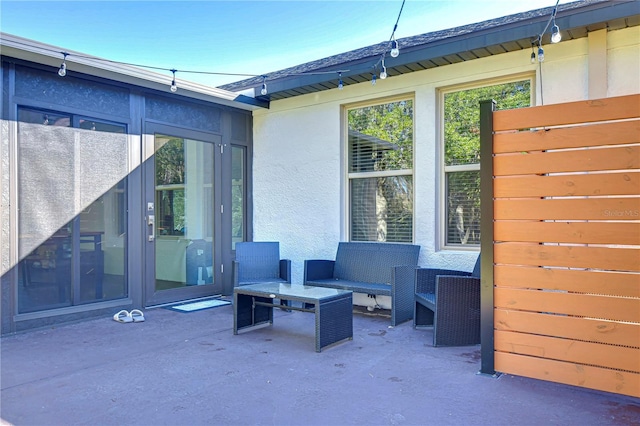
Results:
443 244
349 176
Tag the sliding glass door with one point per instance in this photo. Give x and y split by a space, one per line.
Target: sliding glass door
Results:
72 215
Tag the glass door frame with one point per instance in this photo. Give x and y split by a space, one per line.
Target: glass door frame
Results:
151 296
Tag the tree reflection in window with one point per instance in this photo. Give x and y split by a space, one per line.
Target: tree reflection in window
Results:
170 179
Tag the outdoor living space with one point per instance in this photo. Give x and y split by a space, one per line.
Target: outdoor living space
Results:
189 368
129 191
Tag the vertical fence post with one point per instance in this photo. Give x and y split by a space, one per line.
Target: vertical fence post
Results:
486 237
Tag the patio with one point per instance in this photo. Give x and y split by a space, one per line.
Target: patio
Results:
178 368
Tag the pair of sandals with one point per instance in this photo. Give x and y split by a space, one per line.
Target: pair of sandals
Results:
135 315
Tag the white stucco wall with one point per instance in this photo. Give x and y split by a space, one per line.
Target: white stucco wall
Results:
623 62
298 170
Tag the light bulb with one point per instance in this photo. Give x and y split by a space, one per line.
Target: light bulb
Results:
383 73
395 51
373 80
540 54
533 57
340 83
555 34
173 87
63 66
263 91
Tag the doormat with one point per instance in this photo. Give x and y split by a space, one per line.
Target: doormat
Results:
198 306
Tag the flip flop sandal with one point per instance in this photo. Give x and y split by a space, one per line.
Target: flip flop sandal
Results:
123 316
136 315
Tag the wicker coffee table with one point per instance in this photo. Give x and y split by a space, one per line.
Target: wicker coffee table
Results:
253 306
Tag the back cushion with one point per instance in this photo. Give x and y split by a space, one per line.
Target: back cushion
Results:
258 260
372 262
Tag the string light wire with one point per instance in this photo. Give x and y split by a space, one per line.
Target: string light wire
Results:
555 38
555 34
551 18
392 46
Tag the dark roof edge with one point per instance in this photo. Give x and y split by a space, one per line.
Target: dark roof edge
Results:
25 51
422 47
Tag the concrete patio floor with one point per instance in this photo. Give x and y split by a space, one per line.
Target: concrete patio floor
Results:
189 369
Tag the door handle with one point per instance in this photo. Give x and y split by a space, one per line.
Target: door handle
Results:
151 222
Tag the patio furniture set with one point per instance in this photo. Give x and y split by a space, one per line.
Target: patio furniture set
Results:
447 300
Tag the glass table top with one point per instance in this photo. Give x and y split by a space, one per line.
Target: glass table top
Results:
276 290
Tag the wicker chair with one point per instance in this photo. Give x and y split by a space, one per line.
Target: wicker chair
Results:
259 262
449 301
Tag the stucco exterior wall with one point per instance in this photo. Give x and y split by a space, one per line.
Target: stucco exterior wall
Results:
298 169
623 63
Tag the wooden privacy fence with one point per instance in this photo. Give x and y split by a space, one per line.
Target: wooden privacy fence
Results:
565 242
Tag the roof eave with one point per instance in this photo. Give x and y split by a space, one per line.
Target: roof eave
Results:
588 18
31 51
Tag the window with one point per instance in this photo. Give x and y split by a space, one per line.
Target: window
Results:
184 186
72 199
380 172
170 181
238 194
461 225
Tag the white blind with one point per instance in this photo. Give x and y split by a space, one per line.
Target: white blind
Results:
382 209
463 207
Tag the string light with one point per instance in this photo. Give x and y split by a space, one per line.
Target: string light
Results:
395 50
174 88
263 91
63 67
533 54
540 54
555 30
556 37
393 45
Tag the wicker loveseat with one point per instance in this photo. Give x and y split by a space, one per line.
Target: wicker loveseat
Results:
371 268
449 301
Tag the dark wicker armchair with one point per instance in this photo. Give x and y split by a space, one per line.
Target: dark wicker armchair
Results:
259 262
449 301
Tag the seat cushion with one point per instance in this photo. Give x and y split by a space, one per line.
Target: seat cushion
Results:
426 299
355 286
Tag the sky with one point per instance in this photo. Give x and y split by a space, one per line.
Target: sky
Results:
236 37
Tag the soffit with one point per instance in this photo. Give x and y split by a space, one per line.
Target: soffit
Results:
442 48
